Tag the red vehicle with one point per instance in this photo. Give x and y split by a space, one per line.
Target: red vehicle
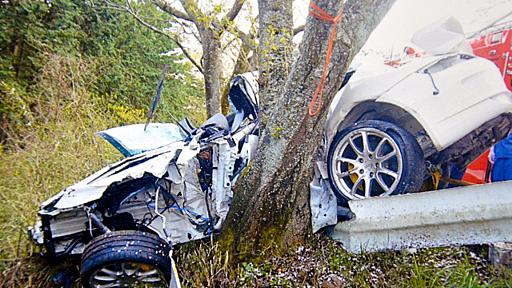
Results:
494 44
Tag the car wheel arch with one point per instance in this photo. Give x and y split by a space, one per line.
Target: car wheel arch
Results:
372 110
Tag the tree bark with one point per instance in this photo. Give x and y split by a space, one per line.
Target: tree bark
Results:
274 52
212 68
270 209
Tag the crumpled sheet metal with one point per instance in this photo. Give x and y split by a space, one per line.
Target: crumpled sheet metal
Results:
154 162
91 188
442 37
322 202
459 216
188 218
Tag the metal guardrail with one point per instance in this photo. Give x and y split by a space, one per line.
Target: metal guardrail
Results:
458 216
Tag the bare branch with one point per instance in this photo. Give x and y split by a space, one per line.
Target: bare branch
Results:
129 9
189 28
297 30
248 39
231 41
166 6
193 10
235 10
113 6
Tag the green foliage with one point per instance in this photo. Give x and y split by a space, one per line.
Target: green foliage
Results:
126 58
130 58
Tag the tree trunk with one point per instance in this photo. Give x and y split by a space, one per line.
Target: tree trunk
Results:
212 68
274 52
242 65
270 208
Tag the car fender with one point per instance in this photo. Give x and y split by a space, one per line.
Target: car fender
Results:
370 89
454 101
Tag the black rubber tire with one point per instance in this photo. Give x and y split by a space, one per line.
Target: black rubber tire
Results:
125 246
413 171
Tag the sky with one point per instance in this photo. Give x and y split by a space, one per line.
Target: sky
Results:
397 27
408 16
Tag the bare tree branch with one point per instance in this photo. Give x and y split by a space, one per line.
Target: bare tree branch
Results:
130 10
193 11
189 28
235 10
166 6
297 30
247 39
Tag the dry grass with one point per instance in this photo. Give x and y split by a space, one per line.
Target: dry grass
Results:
54 148
325 263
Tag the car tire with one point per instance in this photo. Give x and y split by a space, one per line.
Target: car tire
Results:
386 167
126 259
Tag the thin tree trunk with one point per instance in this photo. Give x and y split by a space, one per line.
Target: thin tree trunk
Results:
242 65
270 208
212 68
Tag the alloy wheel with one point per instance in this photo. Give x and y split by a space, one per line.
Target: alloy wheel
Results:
366 163
127 275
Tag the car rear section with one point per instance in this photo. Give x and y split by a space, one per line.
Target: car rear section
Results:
387 133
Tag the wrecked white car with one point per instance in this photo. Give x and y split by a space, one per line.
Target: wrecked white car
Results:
386 133
174 186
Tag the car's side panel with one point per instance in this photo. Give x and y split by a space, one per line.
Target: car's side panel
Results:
361 89
468 94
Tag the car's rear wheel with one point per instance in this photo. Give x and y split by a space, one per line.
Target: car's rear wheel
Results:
374 158
126 259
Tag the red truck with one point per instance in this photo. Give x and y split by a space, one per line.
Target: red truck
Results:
494 44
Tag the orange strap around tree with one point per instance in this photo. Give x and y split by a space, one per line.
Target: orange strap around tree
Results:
320 14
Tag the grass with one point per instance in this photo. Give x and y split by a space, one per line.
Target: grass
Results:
50 144
52 156
325 263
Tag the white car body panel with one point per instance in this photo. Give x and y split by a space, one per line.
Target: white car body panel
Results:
467 88
93 187
369 89
162 163
442 37
470 93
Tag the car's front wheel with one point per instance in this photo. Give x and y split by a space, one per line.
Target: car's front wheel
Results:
374 158
126 259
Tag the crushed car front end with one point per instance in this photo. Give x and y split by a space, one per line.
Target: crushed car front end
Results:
175 191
